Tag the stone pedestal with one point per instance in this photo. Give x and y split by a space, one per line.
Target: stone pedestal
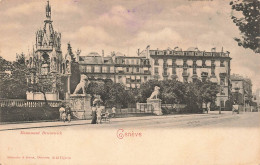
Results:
156 103
80 105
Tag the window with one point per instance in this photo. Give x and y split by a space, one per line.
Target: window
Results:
92 69
145 78
185 65
133 61
127 69
165 71
137 70
222 63
128 80
222 81
120 79
212 62
194 70
212 70
173 62
185 79
194 67
156 70
127 61
185 71
156 62
203 63
222 92
203 79
97 69
112 69
137 62
174 70
104 69
88 69
194 63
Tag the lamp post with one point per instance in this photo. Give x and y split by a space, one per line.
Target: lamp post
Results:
220 99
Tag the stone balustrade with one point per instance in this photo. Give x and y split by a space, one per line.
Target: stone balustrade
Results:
27 103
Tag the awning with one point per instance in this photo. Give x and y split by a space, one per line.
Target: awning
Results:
138 77
138 85
133 85
128 85
120 68
127 76
133 77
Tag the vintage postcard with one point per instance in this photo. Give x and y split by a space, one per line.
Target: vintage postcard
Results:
130 82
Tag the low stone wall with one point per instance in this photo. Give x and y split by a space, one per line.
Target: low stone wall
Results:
16 114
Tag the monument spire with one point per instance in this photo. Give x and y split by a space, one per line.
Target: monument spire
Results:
48 11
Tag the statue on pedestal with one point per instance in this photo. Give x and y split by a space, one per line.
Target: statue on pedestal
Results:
82 84
155 93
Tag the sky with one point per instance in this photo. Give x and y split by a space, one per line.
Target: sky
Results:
127 25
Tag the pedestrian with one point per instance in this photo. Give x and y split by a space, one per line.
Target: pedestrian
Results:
94 115
106 115
235 108
68 113
208 107
114 112
204 107
64 116
99 112
61 110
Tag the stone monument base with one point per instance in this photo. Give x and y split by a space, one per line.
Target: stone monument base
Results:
156 103
80 106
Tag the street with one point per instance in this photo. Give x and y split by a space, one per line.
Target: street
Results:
213 119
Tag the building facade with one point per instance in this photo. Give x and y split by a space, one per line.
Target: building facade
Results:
97 67
241 90
130 71
192 65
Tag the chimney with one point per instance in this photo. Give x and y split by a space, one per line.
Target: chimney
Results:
138 52
148 51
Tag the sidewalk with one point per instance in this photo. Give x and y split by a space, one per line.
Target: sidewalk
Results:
41 124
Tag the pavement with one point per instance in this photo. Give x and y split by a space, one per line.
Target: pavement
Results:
46 124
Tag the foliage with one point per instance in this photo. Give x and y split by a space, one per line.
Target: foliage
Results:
248 23
111 93
175 92
46 83
13 84
147 88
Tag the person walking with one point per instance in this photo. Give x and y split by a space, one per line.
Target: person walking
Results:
68 113
208 107
94 115
114 112
61 110
99 112
204 107
235 108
